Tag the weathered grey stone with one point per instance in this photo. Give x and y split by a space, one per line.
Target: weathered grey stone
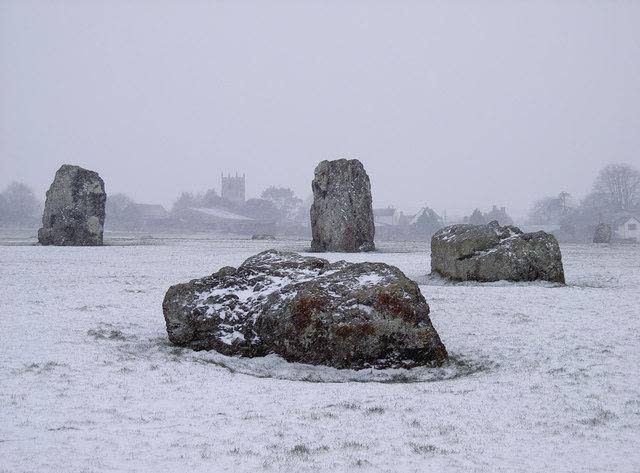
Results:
493 253
341 214
263 236
74 209
602 233
306 310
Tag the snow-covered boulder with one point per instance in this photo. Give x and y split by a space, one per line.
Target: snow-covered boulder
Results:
345 315
74 209
342 213
493 253
602 233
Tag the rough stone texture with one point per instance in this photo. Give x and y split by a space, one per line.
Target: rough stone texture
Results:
341 214
263 236
493 253
307 310
602 233
74 209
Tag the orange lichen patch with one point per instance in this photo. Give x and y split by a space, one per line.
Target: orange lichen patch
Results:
391 303
360 330
303 310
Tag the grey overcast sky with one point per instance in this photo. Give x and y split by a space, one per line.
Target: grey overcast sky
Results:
453 104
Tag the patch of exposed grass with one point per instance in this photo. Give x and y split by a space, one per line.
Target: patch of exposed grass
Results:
106 334
39 368
353 445
352 406
601 417
300 450
423 448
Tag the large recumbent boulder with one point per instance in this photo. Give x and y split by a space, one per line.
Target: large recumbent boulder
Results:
493 253
344 315
74 209
342 212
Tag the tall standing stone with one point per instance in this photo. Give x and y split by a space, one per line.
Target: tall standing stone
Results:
74 209
602 233
342 214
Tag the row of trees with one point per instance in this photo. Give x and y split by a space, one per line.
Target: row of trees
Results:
615 191
19 207
478 217
421 227
275 205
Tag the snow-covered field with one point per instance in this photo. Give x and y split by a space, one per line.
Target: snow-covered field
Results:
543 378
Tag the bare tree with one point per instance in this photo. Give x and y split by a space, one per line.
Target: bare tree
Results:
121 213
476 218
550 210
19 205
619 186
285 201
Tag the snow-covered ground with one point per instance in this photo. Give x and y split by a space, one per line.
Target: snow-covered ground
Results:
543 378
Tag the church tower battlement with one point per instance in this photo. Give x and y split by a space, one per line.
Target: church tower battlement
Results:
233 188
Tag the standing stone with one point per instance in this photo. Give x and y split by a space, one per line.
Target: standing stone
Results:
602 234
341 214
74 209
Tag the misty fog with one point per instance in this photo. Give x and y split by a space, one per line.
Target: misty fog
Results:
450 105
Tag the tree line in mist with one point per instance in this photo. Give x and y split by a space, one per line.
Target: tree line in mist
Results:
278 207
615 191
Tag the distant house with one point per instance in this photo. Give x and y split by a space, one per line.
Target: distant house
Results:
386 217
151 214
627 227
406 219
499 214
220 220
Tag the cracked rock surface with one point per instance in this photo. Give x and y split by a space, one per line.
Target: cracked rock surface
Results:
74 209
342 213
493 253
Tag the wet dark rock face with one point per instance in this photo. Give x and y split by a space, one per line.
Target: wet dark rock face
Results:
74 209
493 253
307 310
342 213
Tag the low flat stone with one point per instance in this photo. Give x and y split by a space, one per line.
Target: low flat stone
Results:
493 253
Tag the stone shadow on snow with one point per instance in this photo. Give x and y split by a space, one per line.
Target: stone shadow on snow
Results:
275 367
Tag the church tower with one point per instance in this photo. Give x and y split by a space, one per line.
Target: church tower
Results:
233 188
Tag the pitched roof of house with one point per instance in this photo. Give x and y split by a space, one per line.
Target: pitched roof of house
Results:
152 210
424 211
221 214
388 212
621 219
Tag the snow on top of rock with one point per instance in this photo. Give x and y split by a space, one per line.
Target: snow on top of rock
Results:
232 301
370 279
